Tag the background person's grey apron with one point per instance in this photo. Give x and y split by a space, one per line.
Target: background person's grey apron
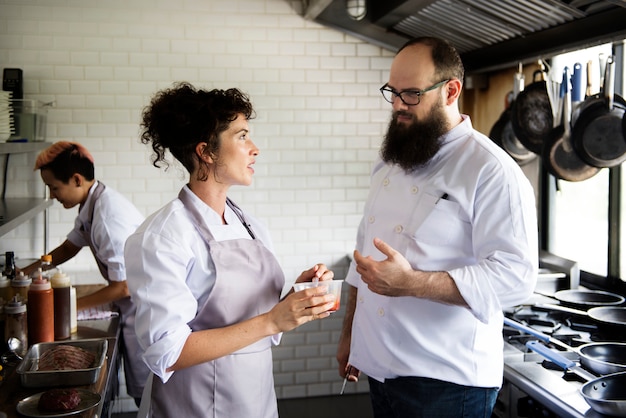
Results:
249 281
135 371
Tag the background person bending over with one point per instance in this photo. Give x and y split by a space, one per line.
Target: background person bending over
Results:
105 219
207 297
448 239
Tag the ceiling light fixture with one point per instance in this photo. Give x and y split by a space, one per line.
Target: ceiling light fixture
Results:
356 9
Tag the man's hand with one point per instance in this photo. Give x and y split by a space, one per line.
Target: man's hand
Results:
389 277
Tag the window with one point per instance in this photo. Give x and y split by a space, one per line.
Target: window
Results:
579 211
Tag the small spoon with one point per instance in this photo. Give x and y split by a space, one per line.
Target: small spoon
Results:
15 344
12 358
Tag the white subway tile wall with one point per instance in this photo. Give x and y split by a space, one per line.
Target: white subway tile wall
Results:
319 125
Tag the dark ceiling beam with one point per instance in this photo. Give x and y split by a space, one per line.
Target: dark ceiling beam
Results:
600 28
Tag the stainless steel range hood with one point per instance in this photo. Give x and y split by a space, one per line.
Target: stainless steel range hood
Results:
489 34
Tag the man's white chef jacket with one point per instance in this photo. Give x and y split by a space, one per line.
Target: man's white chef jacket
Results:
470 212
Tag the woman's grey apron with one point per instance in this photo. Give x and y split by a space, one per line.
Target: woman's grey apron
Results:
135 371
248 283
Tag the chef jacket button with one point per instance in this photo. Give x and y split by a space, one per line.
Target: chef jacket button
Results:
361 299
371 219
385 182
381 312
398 229
414 189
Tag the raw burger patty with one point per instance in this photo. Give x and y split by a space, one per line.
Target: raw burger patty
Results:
55 400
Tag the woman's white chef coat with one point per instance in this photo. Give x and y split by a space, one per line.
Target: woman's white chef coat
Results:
470 212
175 274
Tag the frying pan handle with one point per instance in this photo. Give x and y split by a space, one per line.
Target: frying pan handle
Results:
553 307
528 330
561 361
609 81
602 62
589 75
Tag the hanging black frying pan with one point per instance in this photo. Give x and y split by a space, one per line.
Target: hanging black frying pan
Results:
531 114
598 134
559 155
600 358
605 395
502 131
514 147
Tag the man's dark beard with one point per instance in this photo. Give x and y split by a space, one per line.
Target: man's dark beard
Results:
412 146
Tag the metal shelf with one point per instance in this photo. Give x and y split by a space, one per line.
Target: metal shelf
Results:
16 211
21 147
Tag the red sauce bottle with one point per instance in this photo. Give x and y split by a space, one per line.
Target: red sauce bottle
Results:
62 306
40 307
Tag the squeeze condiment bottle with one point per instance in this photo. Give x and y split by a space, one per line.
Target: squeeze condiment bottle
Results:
74 311
16 324
62 305
20 286
40 306
46 265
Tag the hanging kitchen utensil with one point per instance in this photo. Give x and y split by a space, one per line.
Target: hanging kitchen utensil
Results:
578 90
531 114
578 93
559 156
598 134
599 357
502 131
605 395
587 92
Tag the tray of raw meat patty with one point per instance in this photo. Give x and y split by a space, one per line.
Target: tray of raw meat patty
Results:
63 363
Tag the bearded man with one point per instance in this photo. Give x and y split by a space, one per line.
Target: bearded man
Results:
448 239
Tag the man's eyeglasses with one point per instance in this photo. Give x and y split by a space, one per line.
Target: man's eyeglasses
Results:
408 97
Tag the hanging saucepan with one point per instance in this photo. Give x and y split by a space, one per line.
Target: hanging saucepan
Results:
559 156
605 395
588 298
600 358
531 114
598 134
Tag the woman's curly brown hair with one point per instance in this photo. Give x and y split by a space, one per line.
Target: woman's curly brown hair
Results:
180 117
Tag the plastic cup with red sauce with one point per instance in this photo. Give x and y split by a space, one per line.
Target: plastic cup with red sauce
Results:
333 286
